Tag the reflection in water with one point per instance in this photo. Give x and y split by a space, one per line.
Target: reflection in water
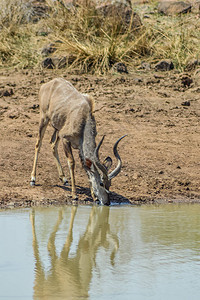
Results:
70 276
126 252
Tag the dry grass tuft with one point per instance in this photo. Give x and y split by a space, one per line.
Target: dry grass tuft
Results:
93 45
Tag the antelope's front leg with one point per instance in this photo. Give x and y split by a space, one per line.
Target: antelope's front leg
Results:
42 127
71 164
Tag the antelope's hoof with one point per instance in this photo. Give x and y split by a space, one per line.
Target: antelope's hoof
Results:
97 202
64 181
32 183
74 198
75 201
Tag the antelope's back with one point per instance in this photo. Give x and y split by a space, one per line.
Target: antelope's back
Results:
62 103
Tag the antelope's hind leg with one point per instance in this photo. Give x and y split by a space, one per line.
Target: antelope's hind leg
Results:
54 145
71 164
42 127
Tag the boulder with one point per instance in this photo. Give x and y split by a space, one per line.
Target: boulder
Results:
120 68
6 92
174 7
47 63
54 62
49 49
164 65
145 66
121 11
185 103
35 10
186 80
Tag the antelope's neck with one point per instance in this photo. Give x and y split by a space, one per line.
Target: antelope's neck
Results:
87 144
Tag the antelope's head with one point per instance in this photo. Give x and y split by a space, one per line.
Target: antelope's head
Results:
99 175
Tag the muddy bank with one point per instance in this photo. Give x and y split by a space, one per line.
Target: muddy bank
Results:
159 112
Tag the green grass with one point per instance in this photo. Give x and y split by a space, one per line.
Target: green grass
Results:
91 45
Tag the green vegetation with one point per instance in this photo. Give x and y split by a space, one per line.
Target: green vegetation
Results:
93 45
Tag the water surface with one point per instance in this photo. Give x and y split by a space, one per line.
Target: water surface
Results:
125 252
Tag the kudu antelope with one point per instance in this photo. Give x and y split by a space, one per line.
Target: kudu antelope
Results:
71 115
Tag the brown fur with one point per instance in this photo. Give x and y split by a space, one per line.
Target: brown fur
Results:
91 102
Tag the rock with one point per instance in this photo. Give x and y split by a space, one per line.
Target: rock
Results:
34 106
138 80
120 10
49 49
6 92
164 65
120 67
35 10
54 62
145 66
186 80
174 7
47 63
185 103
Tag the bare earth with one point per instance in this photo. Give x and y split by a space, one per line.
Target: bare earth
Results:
160 113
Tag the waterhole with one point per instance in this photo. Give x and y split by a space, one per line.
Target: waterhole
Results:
125 252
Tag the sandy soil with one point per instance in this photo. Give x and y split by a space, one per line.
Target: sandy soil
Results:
160 113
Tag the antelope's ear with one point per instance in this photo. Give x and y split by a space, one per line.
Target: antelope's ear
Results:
88 163
108 163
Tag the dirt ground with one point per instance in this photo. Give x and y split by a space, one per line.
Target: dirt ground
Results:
160 113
